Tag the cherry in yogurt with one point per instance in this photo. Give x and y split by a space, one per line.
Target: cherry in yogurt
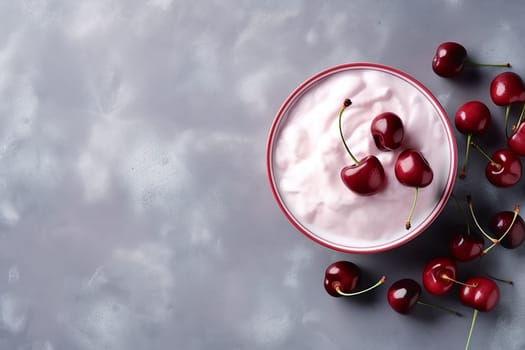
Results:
412 169
367 175
387 131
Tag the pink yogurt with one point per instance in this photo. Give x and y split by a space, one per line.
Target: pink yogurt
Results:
305 156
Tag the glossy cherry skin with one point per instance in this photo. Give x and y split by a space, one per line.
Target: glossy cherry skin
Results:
507 88
508 173
517 141
501 222
480 293
449 59
466 247
365 178
387 131
473 118
343 275
403 295
434 273
412 169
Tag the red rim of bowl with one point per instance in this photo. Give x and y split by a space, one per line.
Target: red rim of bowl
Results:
451 141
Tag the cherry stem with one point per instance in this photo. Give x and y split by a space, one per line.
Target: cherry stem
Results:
448 278
471 209
378 283
497 241
520 118
463 172
501 280
480 150
347 103
475 64
474 317
460 208
442 308
408 223
507 112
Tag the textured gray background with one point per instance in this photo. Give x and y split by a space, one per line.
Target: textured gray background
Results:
135 211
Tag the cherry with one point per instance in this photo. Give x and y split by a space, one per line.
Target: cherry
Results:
450 59
439 275
387 131
505 221
504 167
465 246
482 294
412 169
507 88
365 176
517 140
472 118
342 277
404 294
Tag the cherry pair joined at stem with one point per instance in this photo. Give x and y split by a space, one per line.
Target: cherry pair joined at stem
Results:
507 226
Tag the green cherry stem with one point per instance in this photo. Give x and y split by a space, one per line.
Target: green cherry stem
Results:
463 172
378 283
474 317
408 223
462 210
442 308
480 150
347 103
475 64
497 241
471 209
507 112
520 118
509 282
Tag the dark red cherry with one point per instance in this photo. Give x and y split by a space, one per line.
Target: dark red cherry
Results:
480 293
365 178
501 222
505 168
387 131
342 277
507 88
412 169
472 117
466 247
449 59
439 275
517 141
403 295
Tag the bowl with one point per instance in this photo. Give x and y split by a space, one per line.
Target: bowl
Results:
305 155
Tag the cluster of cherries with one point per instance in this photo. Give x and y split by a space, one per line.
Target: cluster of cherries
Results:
504 169
367 175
